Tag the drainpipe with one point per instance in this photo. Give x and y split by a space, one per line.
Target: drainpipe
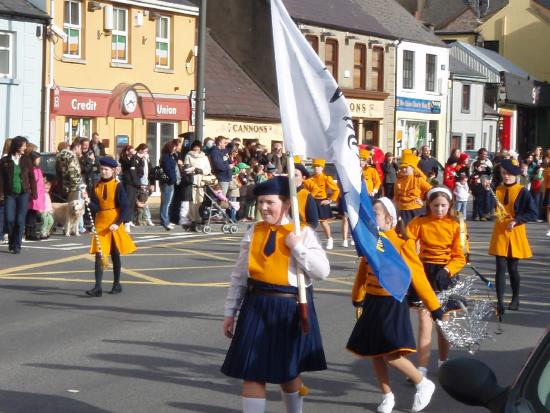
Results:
396 43
48 86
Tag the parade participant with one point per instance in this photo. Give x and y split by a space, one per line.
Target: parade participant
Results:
442 250
306 203
325 183
383 332
110 203
410 188
546 196
509 241
370 174
266 277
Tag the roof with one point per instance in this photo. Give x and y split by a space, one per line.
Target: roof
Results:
492 59
230 92
188 3
21 9
489 110
456 67
544 3
345 14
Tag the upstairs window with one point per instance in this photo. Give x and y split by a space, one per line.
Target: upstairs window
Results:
377 69
119 45
359 66
408 69
466 90
6 55
430 72
331 57
162 53
314 42
72 26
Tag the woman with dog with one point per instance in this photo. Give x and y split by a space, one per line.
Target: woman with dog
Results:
110 203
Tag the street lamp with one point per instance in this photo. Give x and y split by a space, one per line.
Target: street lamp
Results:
199 118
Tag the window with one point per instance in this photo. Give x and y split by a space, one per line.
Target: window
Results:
359 66
466 98
314 42
430 72
119 45
77 127
491 45
408 69
72 27
470 142
456 142
6 55
331 57
377 69
162 51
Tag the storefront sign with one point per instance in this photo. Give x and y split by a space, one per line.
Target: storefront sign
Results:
262 132
418 105
373 109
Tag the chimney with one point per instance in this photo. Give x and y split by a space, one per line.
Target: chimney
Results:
420 4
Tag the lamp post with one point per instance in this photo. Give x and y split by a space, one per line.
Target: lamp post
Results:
200 98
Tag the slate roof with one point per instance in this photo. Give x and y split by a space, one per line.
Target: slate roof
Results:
230 92
21 9
189 3
545 3
456 67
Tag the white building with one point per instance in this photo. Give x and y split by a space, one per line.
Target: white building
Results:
421 101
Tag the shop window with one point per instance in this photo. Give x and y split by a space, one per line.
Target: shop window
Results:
456 142
470 143
313 42
408 69
119 45
370 129
430 72
377 69
359 65
162 53
72 26
331 57
466 90
7 55
158 134
417 134
77 128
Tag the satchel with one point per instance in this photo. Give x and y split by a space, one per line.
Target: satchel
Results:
208 180
159 175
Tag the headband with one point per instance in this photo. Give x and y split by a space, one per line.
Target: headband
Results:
436 189
388 204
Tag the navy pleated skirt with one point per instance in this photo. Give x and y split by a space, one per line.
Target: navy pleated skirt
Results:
546 199
268 345
431 269
383 328
325 211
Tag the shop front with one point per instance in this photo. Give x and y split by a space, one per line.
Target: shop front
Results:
130 114
368 120
265 133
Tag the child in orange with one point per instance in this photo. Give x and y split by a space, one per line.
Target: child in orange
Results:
370 174
442 246
411 187
325 184
383 332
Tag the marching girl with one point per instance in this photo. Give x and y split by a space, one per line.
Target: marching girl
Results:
411 187
267 344
324 184
442 243
110 203
370 174
384 332
509 242
306 203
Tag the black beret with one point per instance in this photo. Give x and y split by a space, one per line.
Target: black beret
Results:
508 164
277 185
108 161
302 169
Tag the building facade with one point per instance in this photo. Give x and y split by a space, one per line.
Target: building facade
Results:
123 69
22 32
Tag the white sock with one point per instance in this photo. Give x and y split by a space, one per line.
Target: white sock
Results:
251 405
423 371
293 402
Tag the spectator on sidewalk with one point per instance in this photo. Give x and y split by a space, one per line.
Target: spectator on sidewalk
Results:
278 158
129 166
168 165
221 166
197 159
428 164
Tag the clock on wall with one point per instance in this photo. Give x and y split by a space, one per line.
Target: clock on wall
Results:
129 102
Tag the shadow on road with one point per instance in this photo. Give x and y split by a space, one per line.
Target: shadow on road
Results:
23 402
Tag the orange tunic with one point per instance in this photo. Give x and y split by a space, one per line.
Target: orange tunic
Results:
441 241
410 190
367 283
509 243
108 215
324 184
372 179
312 188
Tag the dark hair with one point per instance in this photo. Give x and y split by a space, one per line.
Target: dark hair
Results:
219 139
168 147
142 147
388 155
125 148
17 143
83 140
75 143
481 150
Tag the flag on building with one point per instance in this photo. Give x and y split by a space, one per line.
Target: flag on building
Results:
317 123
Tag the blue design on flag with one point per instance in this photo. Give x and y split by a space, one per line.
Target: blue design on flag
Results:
317 123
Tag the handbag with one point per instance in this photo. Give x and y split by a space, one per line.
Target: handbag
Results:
159 175
208 180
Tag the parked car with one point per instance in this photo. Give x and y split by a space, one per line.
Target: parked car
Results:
472 382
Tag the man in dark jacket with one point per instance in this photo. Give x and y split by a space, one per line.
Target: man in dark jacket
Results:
428 164
221 167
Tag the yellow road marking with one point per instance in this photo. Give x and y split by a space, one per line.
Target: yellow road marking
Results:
43 263
342 254
135 273
80 280
205 254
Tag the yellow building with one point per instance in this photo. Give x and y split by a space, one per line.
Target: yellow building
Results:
124 69
520 31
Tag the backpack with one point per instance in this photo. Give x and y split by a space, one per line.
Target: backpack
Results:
159 175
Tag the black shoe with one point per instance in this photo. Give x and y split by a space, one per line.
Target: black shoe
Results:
117 289
95 292
11 248
514 304
17 250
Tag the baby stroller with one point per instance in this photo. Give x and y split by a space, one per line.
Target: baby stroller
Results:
214 211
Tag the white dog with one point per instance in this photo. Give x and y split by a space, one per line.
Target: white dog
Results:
68 215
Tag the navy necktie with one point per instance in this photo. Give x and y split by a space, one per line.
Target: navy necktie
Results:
270 244
505 202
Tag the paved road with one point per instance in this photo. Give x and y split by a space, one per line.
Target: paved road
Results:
158 346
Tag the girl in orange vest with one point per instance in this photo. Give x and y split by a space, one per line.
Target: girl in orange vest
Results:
384 332
110 203
509 241
442 251
411 187
267 344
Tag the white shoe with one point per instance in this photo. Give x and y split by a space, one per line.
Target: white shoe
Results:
440 362
150 223
171 226
127 227
387 404
132 224
330 243
424 392
352 243
548 233
345 244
